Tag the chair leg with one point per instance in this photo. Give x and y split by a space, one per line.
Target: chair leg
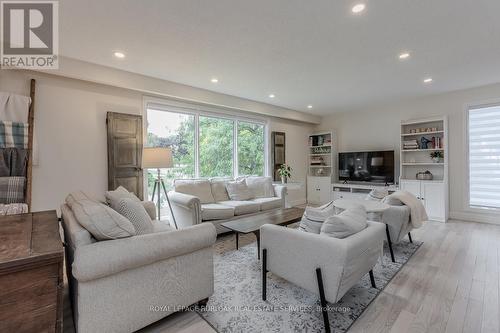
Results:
323 300
372 279
264 274
409 236
389 242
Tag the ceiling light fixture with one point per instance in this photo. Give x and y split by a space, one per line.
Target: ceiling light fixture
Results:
214 80
428 80
358 8
271 96
118 54
404 55
309 106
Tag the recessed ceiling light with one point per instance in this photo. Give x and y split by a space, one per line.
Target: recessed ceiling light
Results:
358 8
428 80
214 80
271 96
404 55
309 106
120 55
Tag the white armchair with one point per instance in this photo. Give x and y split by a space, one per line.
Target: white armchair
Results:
398 225
321 264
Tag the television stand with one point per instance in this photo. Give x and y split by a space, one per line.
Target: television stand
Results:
357 191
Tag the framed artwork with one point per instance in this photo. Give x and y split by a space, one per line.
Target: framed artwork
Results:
278 142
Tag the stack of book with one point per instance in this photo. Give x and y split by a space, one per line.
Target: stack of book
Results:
410 144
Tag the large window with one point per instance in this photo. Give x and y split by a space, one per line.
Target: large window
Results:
484 157
205 145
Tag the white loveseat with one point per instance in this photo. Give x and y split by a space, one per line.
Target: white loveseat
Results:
125 284
194 201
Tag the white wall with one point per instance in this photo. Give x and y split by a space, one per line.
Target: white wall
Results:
71 132
379 128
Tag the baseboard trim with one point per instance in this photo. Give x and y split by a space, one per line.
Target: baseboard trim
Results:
475 217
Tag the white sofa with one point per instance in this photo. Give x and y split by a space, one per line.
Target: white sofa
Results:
125 284
194 201
321 264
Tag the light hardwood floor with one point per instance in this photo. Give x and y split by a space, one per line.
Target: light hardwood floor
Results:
450 285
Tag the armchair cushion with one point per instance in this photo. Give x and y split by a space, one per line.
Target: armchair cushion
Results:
345 224
113 197
261 187
196 187
100 220
242 207
315 216
135 212
216 212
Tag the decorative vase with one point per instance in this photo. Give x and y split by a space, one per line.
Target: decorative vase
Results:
436 159
283 180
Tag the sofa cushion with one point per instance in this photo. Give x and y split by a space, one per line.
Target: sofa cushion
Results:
216 212
345 224
196 187
113 197
261 187
218 186
268 203
242 207
315 216
135 212
238 190
100 220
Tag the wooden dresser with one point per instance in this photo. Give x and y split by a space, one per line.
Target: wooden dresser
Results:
31 273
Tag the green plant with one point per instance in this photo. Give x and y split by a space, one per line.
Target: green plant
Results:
285 171
437 154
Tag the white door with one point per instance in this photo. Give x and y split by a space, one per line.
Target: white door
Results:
412 186
434 201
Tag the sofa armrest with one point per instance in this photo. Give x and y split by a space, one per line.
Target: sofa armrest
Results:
150 208
280 192
186 209
107 258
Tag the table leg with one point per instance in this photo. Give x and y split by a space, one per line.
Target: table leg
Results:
257 235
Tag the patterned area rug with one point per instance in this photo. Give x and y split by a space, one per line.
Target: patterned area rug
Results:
236 305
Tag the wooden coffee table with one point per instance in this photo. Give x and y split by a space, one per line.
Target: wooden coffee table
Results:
245 225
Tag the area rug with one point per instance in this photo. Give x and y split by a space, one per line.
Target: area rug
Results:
237 306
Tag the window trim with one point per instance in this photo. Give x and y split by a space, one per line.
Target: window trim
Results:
198 110
468 107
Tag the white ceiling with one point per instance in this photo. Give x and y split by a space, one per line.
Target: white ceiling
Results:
306 52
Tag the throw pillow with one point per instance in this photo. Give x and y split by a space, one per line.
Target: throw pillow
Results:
218 186
315 216
345 224
100 220
238 190
261 187
392 201
135 212
113 197
377 194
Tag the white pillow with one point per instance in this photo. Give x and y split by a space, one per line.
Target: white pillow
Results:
135 212
100 220
113 197
345 224
239 191
261 187
218 186
377 194
315 216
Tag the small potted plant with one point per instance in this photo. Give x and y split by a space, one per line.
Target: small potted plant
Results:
285 172
437 156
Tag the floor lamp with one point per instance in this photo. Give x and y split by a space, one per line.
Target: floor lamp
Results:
159 158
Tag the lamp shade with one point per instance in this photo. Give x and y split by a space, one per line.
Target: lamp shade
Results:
157 158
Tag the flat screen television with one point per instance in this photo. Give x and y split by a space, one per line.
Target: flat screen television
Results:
368 166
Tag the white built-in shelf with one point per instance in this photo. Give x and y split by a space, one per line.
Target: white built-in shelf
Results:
324 146
415 150
418 180
422 163
321 154
421 133
320 166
